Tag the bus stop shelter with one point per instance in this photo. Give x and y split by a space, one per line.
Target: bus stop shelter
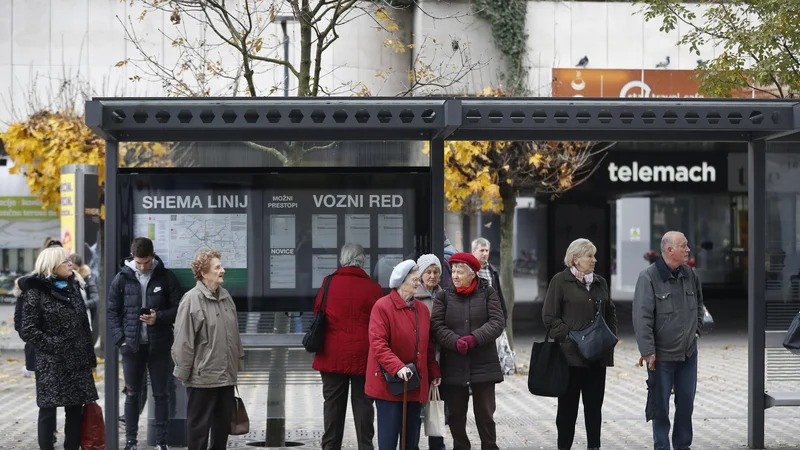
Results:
759 123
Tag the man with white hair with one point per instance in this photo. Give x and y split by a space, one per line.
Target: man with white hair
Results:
667 319
480 249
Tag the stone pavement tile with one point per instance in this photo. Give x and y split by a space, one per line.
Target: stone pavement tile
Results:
523 421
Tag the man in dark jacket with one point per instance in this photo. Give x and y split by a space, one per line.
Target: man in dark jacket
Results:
667 319
142 305
480 250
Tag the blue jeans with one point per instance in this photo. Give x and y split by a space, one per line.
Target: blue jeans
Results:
682 375
390 423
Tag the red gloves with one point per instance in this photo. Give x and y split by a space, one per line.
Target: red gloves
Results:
466 343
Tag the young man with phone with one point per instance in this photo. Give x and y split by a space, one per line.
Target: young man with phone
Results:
142 305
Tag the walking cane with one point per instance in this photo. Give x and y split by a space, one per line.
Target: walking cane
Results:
405 409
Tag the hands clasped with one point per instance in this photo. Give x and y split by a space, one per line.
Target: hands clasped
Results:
466 343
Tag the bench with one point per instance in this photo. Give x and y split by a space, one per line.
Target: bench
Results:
782 366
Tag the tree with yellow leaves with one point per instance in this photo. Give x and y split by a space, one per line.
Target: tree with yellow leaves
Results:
47 140
488 175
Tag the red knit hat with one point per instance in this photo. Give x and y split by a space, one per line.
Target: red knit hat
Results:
467 259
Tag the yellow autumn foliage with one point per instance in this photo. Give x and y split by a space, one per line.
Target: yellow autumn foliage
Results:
47 140
475 171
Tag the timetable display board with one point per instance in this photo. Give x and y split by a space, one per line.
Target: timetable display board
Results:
279 234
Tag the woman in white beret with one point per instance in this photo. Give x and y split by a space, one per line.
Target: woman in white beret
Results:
400 349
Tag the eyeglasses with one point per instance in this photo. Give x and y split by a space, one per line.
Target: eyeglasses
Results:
67 262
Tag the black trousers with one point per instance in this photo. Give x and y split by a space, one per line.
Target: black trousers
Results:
134 366
334 390
589 383
72 427
483 405
209 409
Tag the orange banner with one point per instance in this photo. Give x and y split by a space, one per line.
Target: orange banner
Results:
628 83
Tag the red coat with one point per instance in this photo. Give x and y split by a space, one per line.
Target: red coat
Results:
391 343
351 297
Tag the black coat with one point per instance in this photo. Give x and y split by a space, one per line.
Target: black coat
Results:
570 306
456 315
54 321
124 303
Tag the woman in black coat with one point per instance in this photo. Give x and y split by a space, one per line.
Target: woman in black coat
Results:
54 321
571 304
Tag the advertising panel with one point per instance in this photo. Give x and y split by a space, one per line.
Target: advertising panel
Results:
68 202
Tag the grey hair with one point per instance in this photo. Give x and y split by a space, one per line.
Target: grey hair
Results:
352 256
578 247
668 240
480 242
466 267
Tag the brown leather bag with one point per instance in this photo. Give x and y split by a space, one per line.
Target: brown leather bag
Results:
240 422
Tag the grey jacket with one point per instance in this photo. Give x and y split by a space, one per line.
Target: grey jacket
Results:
667 312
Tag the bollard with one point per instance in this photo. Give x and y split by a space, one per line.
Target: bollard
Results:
176 429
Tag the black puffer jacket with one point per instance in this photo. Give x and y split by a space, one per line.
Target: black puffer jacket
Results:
54 321
125 303
456 315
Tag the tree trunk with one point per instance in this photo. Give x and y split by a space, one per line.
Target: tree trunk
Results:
304 77
507 255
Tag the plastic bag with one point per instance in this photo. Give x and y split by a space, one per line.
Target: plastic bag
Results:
93 429
506 356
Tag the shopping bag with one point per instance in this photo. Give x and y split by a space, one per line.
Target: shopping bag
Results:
548 374
434 414
506 356
240 421
93 429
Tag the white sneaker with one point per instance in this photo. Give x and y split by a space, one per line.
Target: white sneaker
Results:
27 373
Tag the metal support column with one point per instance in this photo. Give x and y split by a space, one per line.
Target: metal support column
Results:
110 247
756 291
437 198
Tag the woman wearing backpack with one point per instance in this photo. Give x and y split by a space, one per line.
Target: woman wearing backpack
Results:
467 319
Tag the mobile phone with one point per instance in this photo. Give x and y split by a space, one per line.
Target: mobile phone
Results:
144 311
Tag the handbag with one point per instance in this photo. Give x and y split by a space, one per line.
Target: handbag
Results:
548 374
240 422
434 414
315 338
595 340
93 429
396 384
792 340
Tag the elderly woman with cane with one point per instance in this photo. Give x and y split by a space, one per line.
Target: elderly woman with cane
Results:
401 363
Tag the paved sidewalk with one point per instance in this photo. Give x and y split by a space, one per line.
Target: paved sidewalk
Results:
523 421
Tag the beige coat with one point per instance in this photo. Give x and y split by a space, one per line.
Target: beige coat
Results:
207 351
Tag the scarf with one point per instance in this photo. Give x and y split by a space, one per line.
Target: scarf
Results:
469 289
585 278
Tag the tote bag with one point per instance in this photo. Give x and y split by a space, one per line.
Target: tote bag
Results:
315 338
434 414
240 422
549 372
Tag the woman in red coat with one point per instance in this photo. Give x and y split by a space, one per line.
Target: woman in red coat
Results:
342 362
399 325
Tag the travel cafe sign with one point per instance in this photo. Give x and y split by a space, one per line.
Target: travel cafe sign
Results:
627 83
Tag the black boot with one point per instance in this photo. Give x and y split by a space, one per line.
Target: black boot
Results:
130 445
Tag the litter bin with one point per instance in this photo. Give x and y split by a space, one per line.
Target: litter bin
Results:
176 430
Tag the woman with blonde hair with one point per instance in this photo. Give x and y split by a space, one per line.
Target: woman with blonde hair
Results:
53 320
573 297
208 353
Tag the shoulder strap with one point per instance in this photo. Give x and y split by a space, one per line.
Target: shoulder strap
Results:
324 301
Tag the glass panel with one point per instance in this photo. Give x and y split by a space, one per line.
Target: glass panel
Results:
782 257
274 154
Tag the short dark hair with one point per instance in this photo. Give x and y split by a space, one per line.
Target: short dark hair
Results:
141 247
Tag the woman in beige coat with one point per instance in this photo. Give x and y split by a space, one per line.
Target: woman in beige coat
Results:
208 353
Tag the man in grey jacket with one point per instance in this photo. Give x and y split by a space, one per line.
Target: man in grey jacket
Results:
667 318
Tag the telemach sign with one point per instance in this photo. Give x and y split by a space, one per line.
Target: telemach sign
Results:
635 172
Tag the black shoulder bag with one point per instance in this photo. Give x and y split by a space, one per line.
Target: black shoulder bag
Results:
595 340
396 383
315 338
